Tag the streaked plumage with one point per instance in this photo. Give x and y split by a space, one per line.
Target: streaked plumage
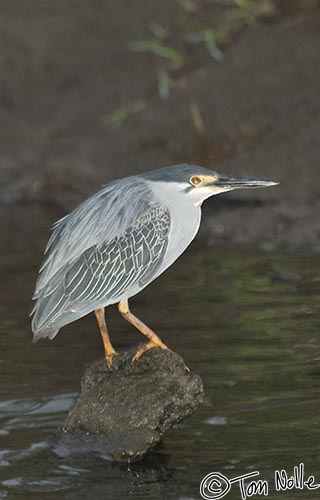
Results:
119 240
129 236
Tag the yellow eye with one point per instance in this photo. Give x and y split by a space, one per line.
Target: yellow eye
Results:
195 180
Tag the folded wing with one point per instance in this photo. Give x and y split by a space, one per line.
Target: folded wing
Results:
103 272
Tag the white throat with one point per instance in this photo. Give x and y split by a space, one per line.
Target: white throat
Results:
200 194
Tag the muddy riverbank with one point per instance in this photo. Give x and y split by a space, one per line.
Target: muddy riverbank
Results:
67 67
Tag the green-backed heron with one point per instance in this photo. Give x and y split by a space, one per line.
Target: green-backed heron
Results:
118 241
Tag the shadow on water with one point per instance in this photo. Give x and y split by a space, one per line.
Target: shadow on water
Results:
246 321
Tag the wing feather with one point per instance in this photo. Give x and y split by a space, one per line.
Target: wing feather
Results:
98 220
107 269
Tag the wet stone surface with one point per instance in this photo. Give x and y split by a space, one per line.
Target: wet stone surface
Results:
124 411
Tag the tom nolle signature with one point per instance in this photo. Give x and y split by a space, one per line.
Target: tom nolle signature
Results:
216 485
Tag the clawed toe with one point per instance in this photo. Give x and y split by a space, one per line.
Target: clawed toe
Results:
109 358
146 347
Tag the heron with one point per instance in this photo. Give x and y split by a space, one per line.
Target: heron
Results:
118 241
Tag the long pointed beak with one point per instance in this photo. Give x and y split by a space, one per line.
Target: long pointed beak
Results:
242 182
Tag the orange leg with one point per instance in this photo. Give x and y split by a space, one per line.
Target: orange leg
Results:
154 340
108 348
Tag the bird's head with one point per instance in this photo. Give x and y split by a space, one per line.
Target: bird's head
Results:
200 183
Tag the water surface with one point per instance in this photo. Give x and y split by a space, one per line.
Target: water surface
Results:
245 320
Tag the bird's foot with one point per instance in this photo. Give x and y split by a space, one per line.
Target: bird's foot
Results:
150 345
109 358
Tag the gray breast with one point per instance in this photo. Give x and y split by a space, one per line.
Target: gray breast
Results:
185 219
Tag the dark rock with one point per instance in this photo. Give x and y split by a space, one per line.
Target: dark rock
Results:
124 411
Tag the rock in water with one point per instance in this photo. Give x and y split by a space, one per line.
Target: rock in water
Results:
125 410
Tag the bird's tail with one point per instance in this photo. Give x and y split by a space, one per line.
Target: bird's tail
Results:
47 314
55 310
